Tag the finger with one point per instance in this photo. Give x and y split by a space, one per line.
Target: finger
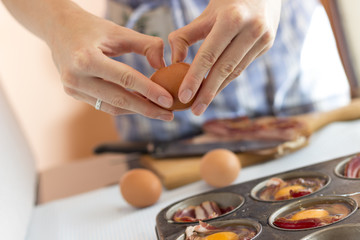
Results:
245 43
121 98
225 65
261 46
181 39
215 43
99 65
105 107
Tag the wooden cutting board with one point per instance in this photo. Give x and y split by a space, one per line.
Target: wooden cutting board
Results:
176 172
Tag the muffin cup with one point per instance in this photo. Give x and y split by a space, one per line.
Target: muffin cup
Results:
305 203
223 199
241 221
287 176
346 231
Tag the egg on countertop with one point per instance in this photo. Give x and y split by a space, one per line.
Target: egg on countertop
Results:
219 167
140 187
171 78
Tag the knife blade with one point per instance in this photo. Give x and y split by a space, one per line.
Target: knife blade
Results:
184 148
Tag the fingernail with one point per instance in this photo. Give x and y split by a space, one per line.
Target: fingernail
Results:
165 117
199 109
185 96
165 101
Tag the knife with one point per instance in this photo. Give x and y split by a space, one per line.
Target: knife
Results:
184 148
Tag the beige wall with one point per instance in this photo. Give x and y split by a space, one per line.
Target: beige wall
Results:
58 127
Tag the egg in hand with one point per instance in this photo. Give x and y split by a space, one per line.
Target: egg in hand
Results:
171 78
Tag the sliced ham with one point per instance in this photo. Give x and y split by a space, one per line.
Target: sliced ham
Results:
185 215
206 210
211 208
352 168
265 128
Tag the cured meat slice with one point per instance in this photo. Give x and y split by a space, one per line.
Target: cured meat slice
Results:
265 128
185 215
352 168
206 210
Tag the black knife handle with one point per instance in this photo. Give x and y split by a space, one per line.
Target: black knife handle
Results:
122 147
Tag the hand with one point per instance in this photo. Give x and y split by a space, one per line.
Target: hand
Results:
235 32
82 45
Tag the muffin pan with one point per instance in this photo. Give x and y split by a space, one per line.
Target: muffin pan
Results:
249 209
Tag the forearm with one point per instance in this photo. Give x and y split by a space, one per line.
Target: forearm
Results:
41 17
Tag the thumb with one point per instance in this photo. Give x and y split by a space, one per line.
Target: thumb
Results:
181 39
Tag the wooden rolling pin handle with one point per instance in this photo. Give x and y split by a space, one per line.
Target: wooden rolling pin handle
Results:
346 113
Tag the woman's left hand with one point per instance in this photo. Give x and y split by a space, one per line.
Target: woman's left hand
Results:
235 32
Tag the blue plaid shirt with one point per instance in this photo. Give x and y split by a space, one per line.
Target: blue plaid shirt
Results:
274 84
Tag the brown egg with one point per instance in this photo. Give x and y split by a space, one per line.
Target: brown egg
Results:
140 187
219 167
171 78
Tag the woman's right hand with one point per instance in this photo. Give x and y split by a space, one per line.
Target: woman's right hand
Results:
82 45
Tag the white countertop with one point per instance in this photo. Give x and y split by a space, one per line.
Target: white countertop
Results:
103 214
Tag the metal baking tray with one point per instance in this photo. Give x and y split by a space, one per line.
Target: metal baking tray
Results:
249 207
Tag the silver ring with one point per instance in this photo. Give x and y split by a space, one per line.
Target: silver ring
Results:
98 104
